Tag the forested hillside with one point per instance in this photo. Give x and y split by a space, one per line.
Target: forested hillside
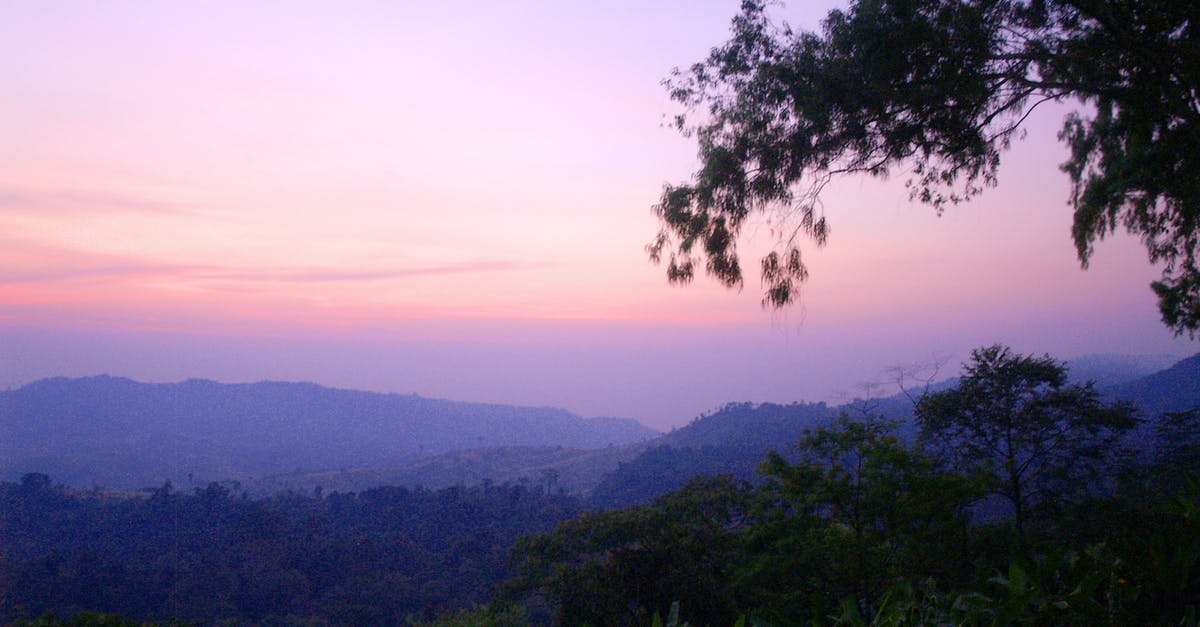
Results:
119 433
573 470
374 558
271 437
777 514
734 439
1020 504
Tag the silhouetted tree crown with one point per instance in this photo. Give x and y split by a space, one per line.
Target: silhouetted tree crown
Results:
938 89
1036 440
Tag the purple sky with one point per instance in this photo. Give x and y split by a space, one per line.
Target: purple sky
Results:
453 199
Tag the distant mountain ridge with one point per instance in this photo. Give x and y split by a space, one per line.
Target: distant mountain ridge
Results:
121 433
1108 370
440 443
732 440
1175 389
735 438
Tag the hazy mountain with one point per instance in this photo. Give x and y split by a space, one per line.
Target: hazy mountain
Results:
736 438
732 440
1109 370
1175 389
121 433
278 436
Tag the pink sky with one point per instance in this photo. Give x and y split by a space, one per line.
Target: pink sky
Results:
452 199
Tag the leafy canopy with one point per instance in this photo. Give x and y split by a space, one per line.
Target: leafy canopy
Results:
938 89
858 510
1037 439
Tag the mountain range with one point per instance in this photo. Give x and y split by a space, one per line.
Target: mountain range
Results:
270 437
119 433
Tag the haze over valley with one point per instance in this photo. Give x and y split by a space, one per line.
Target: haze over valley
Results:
114 433
697 312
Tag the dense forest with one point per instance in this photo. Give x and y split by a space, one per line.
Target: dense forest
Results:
1012 495
1023 500
378 557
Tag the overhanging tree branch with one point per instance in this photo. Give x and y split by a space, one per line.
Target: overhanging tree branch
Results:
938 88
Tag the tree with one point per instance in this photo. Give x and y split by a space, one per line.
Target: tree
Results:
856 512
938 89
1177 447
621 567
1035 437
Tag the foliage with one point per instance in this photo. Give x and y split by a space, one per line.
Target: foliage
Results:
856 525
1069 587
1178 448
672 618
1038 440
83 619
622 567
859 511
1155 526
377 557
481 616
938 89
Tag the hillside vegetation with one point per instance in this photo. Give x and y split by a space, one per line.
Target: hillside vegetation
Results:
846 518
118 433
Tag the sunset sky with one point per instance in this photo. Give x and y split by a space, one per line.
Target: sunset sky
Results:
453 198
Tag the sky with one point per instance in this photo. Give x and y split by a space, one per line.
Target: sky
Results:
453 199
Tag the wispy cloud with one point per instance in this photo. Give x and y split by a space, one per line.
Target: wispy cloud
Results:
72 202
25 262
337 275
12 276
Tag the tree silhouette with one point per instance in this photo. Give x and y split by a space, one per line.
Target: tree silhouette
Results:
938 89
1037 439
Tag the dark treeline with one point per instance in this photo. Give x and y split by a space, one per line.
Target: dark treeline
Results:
382 556
1016 496
1021 502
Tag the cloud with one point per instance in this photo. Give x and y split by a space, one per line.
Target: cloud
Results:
63 273
73 202
25 260
339 275
29 262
